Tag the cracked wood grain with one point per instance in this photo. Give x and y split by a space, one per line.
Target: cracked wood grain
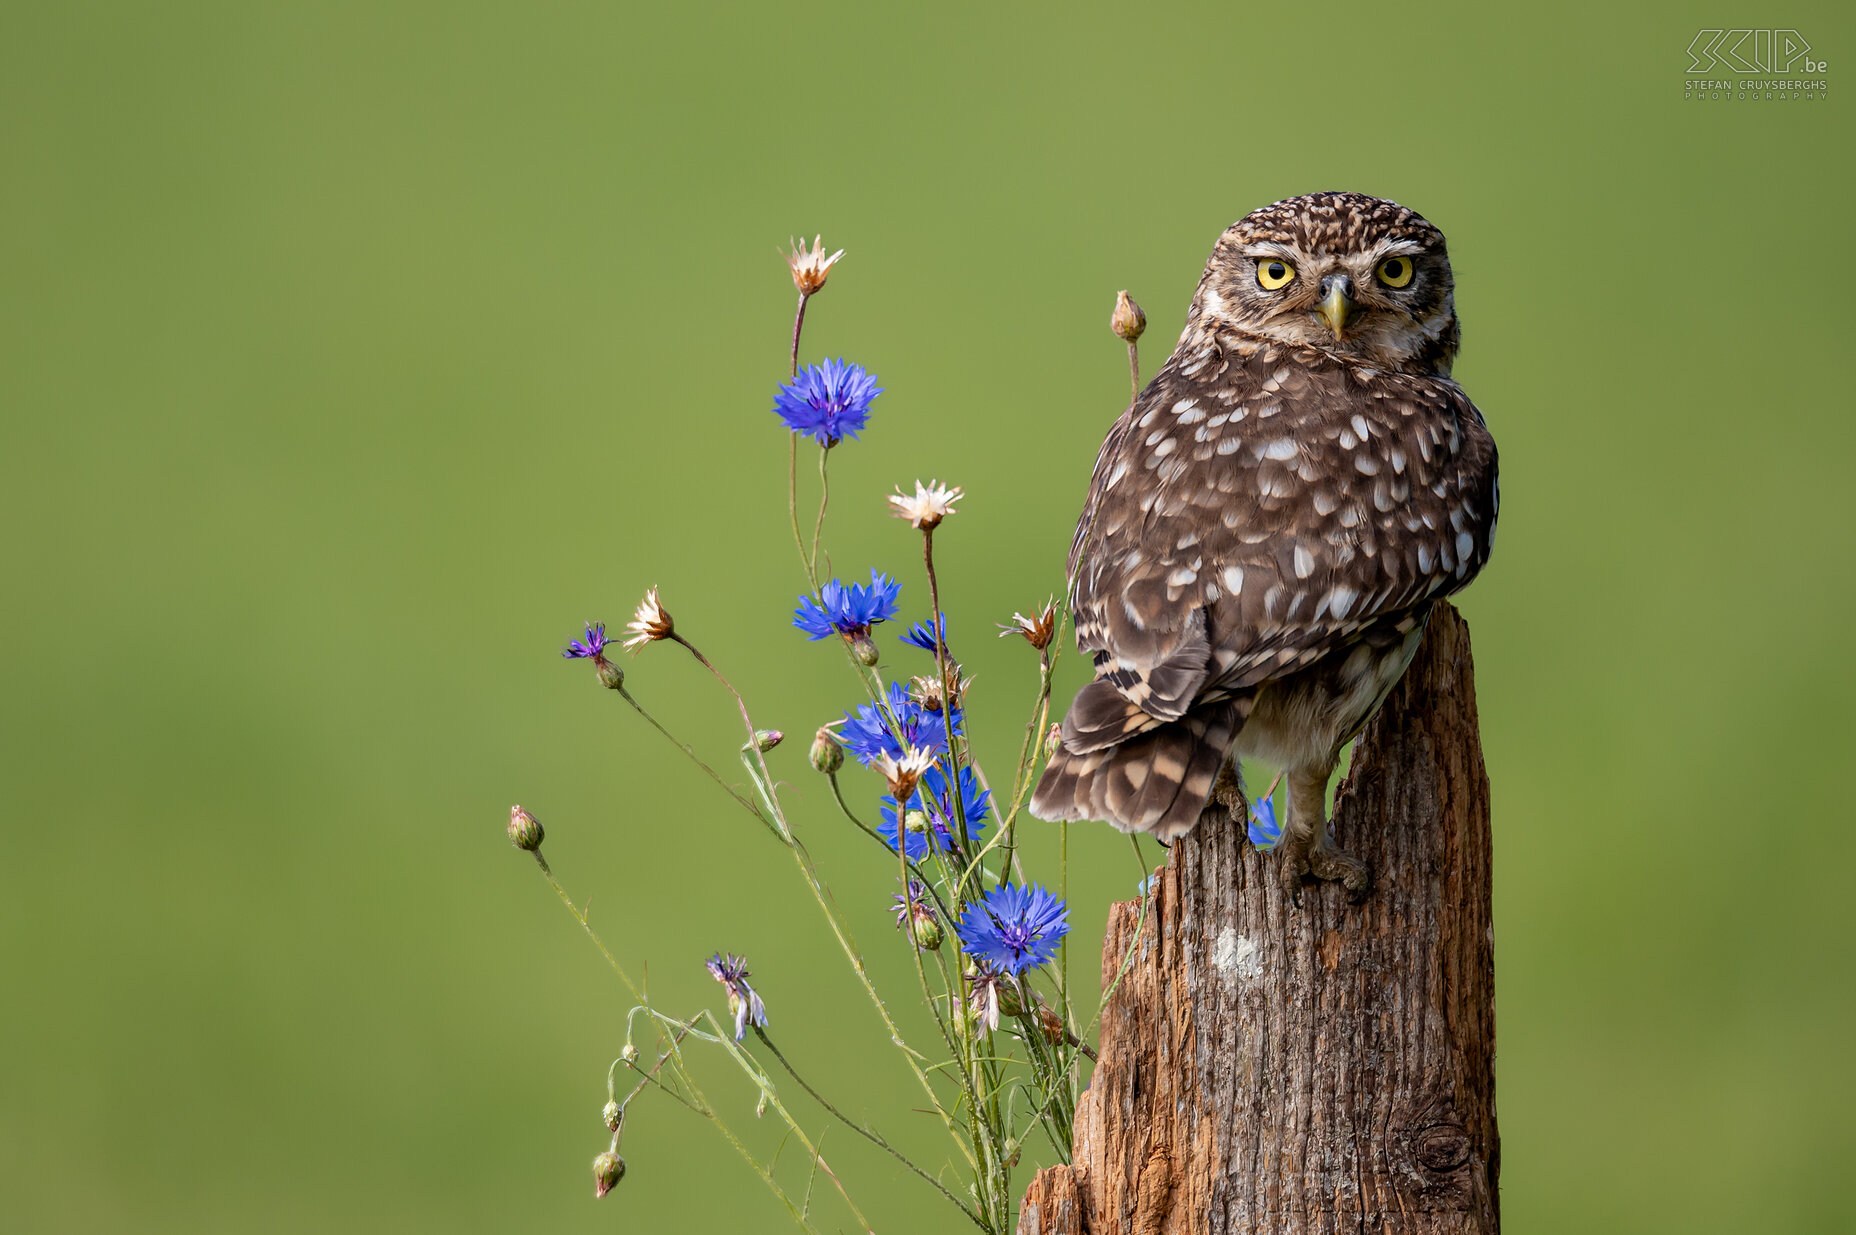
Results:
1278 1070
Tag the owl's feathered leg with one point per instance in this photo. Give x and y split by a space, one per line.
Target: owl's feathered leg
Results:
1307 849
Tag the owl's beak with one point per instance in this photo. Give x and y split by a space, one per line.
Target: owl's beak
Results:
1337 303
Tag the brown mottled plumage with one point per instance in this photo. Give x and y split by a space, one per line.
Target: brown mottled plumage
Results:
1270 522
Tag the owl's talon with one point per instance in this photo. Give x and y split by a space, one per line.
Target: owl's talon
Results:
1300 859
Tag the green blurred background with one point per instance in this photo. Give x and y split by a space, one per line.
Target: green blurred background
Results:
356 352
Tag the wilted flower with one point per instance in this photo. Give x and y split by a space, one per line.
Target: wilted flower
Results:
1127 320
927 506
931 692
592 647
990 992
914 911
826 754
608 1170
1037 629
649 623
903 773
871 731
743 1004
921 635
525 830
1264 831
849 611
929 822
1014 928
810 269
828 401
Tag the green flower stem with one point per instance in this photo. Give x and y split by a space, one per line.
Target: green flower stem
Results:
727 788
868 1134
587 926
818 526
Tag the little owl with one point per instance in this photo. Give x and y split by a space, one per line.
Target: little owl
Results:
1269 524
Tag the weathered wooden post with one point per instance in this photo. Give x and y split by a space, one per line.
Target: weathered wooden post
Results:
1268 1069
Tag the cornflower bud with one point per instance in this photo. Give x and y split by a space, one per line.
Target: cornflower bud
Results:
525 831
827 756
608 1170
1053 740
612 1113
766 739
864 650
610 674
1127 321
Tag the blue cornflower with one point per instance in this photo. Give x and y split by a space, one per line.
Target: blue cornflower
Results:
933 800
590 648
921 634
828 401
743 1004
1014 928
849 611
869 733
1264 830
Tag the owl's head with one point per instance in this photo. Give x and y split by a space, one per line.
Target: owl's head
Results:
1357 277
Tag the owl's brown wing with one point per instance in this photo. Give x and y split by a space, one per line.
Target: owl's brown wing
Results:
1243 524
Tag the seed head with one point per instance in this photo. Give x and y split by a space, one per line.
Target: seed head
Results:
629 1053
903 774
1127 320
612 1114
927 506
651 622
1038 629
525 831
810 267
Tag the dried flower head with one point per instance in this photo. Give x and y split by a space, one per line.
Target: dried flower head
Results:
608 1170
650 623
930 822
525 830
990 992
810 268
1127 321
927 506
1037 629
743 1003
904 773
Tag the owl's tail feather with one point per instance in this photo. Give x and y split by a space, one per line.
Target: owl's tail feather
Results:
1157 781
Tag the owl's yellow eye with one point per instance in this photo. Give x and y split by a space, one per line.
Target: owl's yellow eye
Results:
1274 273
1395 271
